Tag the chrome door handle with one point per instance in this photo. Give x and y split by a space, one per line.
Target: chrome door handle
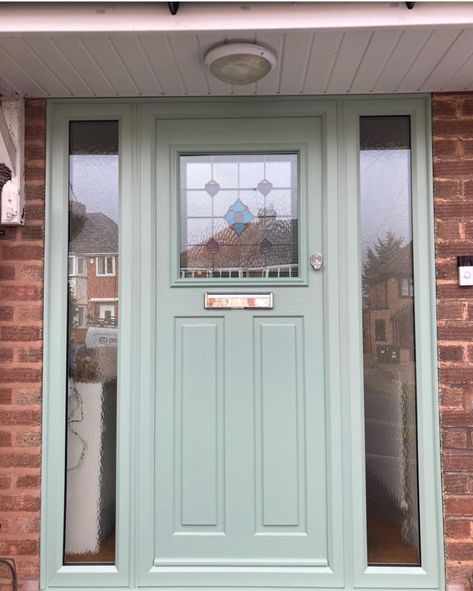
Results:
316 261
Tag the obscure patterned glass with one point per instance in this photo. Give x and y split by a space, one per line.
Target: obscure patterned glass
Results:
388 342
91 391
239 216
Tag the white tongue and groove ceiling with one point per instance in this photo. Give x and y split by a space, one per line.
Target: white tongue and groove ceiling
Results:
119 50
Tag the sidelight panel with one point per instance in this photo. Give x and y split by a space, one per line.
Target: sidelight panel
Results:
389 355
91 390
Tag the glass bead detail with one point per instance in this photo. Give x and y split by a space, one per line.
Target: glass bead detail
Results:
265 187
238 217
212 188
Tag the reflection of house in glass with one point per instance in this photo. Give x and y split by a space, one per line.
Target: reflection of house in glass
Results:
92 386
93 269
388 309
265 246
390 394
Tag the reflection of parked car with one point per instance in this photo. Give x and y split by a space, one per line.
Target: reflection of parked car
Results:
101 336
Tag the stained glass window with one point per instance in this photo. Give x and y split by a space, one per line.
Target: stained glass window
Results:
239 216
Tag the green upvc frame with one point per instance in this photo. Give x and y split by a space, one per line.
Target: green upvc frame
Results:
53 572
430 574
342 305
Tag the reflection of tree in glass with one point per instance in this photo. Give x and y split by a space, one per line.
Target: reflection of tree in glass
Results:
73 310
389 258
384 260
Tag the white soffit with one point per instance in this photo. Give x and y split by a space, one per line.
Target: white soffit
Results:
139 49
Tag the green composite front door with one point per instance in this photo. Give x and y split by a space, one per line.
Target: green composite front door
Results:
239 432
264 436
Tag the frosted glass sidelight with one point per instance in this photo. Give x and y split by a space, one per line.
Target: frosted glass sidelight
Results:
239 216
392 500
91 391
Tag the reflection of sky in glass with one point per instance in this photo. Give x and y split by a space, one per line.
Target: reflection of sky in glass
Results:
211 185
385 183
94 182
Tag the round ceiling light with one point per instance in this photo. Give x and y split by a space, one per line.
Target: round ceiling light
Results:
240 63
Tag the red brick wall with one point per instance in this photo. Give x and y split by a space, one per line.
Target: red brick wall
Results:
21 313
453 195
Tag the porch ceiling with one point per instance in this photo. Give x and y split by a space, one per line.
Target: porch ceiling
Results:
87 50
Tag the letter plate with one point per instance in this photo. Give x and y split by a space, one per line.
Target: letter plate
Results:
238 301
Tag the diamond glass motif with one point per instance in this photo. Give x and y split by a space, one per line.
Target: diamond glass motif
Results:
238 217
265 187
212 188
265 246
212 245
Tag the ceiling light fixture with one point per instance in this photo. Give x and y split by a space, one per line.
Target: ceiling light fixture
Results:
240 63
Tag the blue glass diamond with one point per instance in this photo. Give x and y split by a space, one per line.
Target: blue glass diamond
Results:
238 216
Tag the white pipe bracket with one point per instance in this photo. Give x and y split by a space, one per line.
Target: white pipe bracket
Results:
12 149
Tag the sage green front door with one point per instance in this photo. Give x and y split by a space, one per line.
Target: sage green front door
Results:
240 474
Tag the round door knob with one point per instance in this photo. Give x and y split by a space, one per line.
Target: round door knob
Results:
316 261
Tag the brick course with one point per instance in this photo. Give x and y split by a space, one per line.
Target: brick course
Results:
21 289
452 129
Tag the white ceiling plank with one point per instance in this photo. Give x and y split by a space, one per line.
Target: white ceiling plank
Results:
52 55
377 55
159 54
321 61
23 80
137 64
462 79
295 61
348 60
451 62
32 66
36 65
8 81
76 53
190 63
110 64
427 59
5 90
172 64
408 47
270 83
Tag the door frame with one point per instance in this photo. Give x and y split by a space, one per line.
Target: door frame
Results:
342 309
330 576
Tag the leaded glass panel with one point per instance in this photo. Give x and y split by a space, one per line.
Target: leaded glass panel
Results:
239 216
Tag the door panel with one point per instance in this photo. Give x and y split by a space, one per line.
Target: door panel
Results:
240 474
279 426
